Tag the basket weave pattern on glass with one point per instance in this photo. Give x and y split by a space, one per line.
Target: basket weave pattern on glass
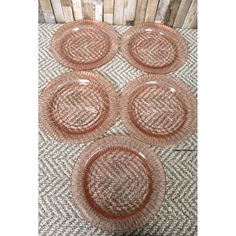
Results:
78 107
118 184
154 48
84 44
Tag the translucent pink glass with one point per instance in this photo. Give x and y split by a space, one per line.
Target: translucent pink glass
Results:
78 107
155 48
159 110
118 184
84 44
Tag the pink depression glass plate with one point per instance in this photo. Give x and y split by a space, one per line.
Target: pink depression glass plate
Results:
118 184
154 48
159 110
78 107
84 44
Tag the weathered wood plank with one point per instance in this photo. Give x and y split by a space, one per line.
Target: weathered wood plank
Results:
172 12
176 13
195 22
68 14
67 10
162 10
47 11
108 11
98 9
88 9
40 14
192 12
92 9
58 12
140 11
119 11
66 3
182 12
151 10
77 9
129 12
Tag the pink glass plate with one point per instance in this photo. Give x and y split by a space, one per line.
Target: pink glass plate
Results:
78 107
118 184
159 110
154 48
84 44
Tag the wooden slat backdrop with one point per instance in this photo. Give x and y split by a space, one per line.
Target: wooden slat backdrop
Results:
175 13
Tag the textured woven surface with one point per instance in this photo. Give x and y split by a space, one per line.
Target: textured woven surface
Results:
58 214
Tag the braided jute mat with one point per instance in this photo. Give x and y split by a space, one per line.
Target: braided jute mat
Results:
58 214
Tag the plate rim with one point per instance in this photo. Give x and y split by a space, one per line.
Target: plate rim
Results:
182 54
104 27
46 95
126 224
174 138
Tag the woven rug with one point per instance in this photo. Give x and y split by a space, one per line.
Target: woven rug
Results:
58 214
